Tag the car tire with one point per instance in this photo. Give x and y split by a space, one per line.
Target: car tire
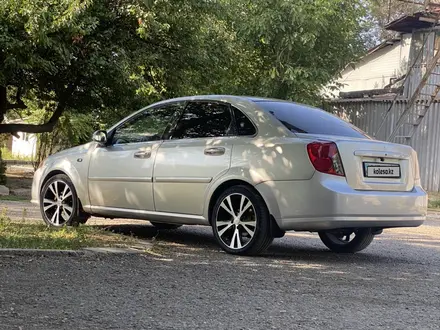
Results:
248 234
167 226
59 203
335 241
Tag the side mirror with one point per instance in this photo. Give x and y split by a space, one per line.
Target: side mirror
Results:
100 137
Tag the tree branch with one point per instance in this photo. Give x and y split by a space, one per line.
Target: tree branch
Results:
31 128
19 105
50 124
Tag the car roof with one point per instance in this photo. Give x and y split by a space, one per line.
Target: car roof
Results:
226 98
229 98
265 99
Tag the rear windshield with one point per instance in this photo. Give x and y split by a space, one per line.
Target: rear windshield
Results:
299 118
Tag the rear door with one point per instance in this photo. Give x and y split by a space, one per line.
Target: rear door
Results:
198 151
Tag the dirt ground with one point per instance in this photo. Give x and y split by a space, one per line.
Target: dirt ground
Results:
19 181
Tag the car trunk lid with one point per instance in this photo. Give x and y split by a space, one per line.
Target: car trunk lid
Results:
375 165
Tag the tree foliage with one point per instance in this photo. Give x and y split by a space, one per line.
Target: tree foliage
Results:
106 58
300 45
79 55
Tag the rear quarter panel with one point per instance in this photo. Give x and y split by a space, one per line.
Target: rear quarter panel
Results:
272 159
258 160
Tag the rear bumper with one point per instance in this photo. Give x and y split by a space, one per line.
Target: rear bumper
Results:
319 224
328 202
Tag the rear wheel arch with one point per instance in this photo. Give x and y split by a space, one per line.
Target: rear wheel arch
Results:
275 229
221 188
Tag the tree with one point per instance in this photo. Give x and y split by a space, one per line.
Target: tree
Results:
297 47
107 58
70 55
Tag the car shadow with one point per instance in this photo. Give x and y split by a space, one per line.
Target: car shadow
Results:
188 239
148 232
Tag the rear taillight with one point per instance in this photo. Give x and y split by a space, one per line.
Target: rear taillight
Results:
325 158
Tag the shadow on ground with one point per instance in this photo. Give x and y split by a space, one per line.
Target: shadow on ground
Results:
195 241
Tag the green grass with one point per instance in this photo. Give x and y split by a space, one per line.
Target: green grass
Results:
7 155
13 198
29 235
434 204
434 200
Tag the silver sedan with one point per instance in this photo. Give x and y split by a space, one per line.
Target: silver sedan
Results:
252 168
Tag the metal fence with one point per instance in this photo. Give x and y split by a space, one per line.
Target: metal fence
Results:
368 114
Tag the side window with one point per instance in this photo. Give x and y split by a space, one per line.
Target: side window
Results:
204 119
149 125
244 125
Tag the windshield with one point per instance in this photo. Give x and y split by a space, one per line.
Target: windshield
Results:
299 118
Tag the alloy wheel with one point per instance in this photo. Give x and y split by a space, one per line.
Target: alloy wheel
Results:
236 221
58 203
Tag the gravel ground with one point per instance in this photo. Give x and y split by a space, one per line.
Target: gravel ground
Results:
186 282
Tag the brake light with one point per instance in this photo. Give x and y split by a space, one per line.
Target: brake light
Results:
325 158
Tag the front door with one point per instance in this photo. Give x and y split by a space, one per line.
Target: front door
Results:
197 151
120 174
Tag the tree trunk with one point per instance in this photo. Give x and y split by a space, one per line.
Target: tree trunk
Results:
3 102
3 105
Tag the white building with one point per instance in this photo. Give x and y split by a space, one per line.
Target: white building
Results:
384 67
379 68
24 145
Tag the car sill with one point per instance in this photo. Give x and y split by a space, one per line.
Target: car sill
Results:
115 212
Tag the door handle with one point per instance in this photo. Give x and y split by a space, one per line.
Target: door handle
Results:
217 151
143 154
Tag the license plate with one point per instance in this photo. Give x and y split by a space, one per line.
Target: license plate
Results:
380 170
